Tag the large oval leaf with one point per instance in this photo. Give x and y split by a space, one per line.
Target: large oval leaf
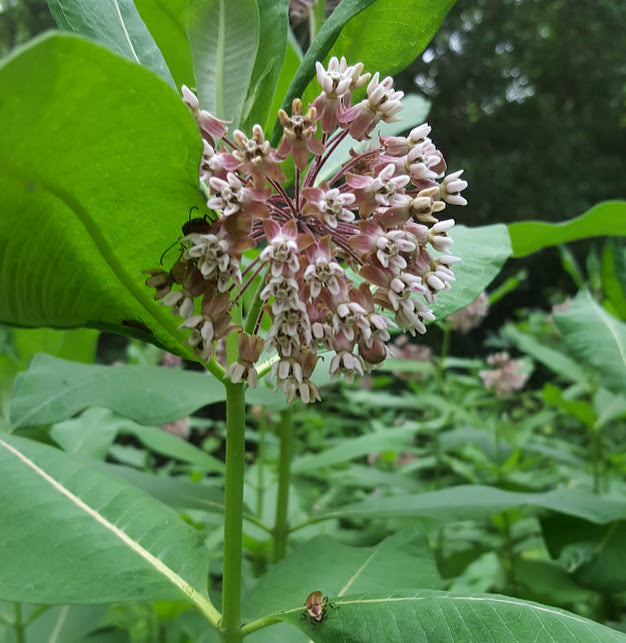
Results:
70 533
99 167
114 24
439 617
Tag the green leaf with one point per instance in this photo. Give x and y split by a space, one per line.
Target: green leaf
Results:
614 276
274 28
476 502
608 218
317 51
88 538
99 427
224 38
390 34
577 408
166 20
352 448
555 360
177 492
92 216
114 24
53 390
593 554
429 616
483 252
596 338
327 565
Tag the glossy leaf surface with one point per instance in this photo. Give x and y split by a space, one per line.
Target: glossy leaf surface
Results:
92 216
431 616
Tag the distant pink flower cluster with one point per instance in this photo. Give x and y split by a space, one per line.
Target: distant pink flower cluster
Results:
472 315
506 377
332 255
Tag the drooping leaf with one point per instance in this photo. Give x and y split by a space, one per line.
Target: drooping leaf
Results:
85 537
224 38
424 616
114 24
166 20
597 338
91 215
608 218
325 564
53 390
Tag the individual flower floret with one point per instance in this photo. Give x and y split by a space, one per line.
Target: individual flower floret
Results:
382 104
208 124
330 205
299 135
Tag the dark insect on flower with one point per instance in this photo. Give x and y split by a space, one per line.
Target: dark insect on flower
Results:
316 604
201 225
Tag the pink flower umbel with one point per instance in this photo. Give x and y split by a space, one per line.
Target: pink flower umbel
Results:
506 377
376 218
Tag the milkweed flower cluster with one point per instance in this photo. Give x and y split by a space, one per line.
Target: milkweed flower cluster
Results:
507 375
375 223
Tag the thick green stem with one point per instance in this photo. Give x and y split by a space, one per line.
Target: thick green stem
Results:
508 558
233 512
281 526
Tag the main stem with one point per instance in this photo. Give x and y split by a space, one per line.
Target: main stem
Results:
233 512
281 526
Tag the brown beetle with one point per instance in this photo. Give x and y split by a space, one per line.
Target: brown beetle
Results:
316 604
